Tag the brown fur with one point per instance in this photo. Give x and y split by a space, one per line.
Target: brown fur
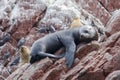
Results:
76 23
24 54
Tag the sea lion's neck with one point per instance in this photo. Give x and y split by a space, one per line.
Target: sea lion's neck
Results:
76 35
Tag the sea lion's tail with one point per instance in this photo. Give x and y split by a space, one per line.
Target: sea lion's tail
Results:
42 55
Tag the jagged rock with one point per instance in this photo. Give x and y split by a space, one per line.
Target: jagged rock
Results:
94 7
7 47
60 15
13 41
97 75
27 16
112 64
117 43
93 61
111 41
28 71
5 9
5 72
85 49
54 73
113 24
110 5
30 38
115 75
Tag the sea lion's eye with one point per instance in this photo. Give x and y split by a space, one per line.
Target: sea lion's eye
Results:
86 31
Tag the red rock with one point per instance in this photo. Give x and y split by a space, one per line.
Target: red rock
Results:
98 75
106 57
2 34
95 8
7 47
112 64
5 23
117 43
110 5
22 72
93 61
11 69
54 73
59 62
28 16
85 49
113 24
5 72
88 64
115 75
2 78
23 29
60 15
111 41
30 38
72 72
13 42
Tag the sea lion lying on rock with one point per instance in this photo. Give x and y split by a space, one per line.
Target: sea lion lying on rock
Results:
49 44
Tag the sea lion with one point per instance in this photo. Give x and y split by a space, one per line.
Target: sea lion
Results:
5 39
21 42
44 29
6 55
49 44
24 55
76 23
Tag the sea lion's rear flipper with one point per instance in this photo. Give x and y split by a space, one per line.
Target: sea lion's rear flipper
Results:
43 55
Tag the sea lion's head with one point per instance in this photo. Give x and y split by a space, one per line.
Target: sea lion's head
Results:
24 49
34 58
88 32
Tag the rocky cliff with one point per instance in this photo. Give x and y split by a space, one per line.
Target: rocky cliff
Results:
23 18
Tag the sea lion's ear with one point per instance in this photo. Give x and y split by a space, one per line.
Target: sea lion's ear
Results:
100 29
97 35
93 24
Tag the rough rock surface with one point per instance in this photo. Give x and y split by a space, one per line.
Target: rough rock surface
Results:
115 75
98 60
110 5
